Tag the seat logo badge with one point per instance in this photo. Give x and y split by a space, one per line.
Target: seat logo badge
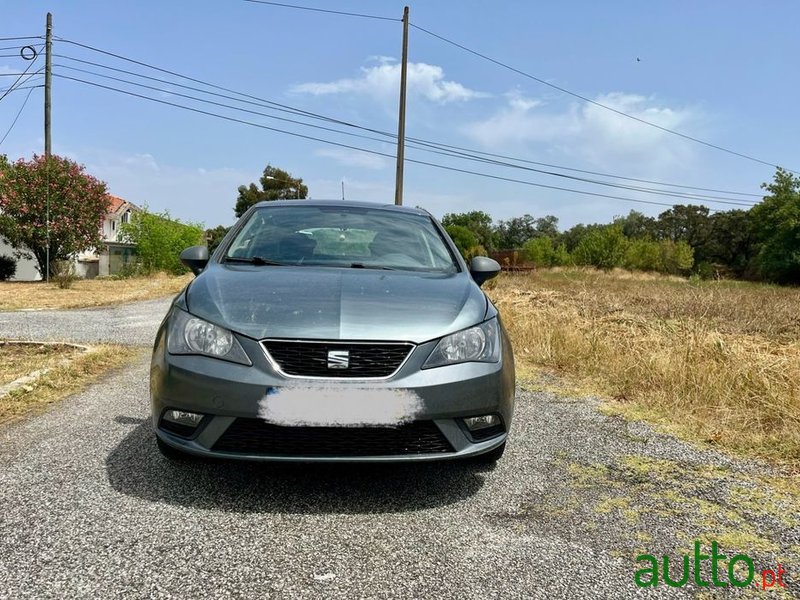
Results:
338 359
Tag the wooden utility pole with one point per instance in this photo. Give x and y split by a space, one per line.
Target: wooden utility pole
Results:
48 81
401 126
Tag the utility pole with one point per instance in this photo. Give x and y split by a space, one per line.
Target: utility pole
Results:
342 189
48 82
401 126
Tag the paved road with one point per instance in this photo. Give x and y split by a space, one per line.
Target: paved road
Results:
133 324
90 509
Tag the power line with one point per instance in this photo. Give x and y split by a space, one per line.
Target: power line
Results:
19 112
21 87
24 37
600 174
262 103
351 147
448 153
595 102
17 47
25 72
324 10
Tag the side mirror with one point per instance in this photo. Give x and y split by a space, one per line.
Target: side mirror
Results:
483 268
196 258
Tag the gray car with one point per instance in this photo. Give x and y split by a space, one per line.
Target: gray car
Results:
333 331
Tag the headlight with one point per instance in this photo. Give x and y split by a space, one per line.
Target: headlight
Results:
476 344
191 335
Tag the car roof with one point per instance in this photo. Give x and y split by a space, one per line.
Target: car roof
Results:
345 204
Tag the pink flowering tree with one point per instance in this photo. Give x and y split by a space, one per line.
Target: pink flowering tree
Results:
78 204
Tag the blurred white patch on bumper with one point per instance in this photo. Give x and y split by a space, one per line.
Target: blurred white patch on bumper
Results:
338 406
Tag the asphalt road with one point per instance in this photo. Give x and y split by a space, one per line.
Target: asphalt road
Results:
90 509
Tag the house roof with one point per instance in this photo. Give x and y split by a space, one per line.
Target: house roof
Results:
117 204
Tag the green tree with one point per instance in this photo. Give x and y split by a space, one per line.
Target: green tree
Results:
688 223
160 239
776 221
732 243
539 251
78 203
276 184
214 236
512 234
547 225
637 225
463 238
573 236
478 222
603 248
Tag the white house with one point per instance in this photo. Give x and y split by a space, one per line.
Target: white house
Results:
114 254
108 260
26 267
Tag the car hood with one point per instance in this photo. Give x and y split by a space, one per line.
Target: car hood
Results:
336 304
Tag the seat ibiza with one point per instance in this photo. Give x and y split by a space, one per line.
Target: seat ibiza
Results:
333 331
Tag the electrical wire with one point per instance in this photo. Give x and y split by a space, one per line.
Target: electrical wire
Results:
19 112
351 147
449 153
324 10
23 37
293 110
21 87
25 72
595 102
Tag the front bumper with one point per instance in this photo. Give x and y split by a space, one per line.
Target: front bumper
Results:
232 397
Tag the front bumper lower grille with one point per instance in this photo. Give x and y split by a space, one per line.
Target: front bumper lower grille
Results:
255 437
357 360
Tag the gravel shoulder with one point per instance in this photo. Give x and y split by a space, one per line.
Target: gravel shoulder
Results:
92 510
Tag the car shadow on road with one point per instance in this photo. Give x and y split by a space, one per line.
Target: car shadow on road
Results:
135 467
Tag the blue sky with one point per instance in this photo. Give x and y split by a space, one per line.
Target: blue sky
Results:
721 71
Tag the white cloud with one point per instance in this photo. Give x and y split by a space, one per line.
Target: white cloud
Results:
590 132
383 80
353 158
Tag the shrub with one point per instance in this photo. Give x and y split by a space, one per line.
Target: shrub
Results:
63 273
463 238
539 251
677 258
8 266
643 255
603 248
159 240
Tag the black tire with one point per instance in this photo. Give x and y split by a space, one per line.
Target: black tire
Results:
169 452
491 457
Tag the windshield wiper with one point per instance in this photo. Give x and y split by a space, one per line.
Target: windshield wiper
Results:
358 265
253 260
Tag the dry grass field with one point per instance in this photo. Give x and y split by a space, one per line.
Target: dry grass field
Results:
717 361
88 292
69 372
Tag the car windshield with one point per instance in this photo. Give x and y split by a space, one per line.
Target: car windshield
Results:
339 236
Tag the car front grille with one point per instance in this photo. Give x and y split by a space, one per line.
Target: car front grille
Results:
313 359
256 437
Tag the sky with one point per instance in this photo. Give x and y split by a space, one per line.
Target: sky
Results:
723 72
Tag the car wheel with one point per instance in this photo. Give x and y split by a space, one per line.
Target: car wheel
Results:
170 452
491 457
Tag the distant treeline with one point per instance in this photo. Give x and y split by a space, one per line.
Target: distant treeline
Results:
761 243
